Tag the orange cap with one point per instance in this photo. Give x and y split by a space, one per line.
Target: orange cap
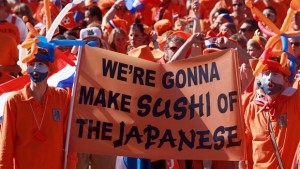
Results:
162 26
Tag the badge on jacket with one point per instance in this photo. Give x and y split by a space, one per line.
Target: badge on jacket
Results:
56 114
282 120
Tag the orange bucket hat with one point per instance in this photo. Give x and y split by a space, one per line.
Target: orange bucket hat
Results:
144 52
162 26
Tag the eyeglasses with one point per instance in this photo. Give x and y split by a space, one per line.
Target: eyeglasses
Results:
174 48
269 14
238 4
295 44
244 29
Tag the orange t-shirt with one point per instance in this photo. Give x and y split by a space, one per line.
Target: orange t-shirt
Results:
286 130
19 147
9 50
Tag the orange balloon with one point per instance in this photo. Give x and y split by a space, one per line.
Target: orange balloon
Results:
48 14
295 5
272 41
287 21
265 20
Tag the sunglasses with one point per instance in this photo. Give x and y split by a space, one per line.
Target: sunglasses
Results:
269 14
238 4
244 29
295 43
174 48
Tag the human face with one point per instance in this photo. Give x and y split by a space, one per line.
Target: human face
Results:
171 50
270 15
253 52
238 6
272 82
120 40
245 31
136 37
295 43
226 29
37 71
88 18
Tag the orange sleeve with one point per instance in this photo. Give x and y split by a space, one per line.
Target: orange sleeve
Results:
248 136
8 135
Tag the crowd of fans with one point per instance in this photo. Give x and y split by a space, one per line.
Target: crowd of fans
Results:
171 29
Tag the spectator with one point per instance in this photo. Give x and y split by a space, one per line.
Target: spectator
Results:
93 14
230 28
248 28
35 122
13 23
271 120
239 12
117 40
138 35
23 9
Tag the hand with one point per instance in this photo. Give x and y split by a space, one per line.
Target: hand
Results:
153 35
196 7
222 42
198 38
119 3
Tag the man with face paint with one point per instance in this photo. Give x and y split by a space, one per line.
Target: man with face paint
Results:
34 123
272 120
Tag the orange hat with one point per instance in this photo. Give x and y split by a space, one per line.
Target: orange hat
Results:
105 4
181 34
144 52
116 23
162 26
68 21
272 60
210 50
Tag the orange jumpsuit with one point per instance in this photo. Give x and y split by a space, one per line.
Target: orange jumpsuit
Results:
286 129
19 147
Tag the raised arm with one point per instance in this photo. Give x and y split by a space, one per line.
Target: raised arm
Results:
110 14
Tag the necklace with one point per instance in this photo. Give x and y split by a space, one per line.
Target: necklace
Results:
38 134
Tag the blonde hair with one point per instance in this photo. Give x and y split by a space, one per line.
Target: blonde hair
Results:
112 35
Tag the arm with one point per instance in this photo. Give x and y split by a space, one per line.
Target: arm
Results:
182 51
196 49
7 135
213 11
154 40
224 42
196 10
112 12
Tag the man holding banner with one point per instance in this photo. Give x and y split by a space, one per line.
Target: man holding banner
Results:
35 121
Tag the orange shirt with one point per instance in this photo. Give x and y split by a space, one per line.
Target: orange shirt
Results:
18 144
286 130
9 50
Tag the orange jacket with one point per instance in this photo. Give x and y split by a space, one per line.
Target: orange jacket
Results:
286 130
19 148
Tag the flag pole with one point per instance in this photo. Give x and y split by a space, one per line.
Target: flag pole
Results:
71 108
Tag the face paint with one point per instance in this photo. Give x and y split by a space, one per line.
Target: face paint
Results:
272 82
37 71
